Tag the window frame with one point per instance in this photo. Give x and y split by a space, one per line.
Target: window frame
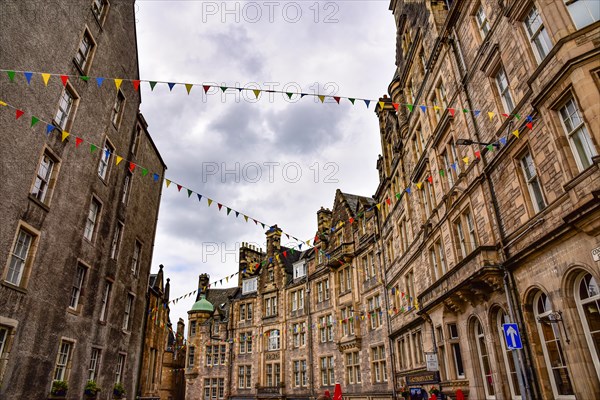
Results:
89 57
508 106
539 37
588 144
62 369
26 263
96 221
49 181
104 164
78 287
67 116
118 109
532 180
128 313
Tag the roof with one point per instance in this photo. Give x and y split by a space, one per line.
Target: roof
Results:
203 305
221 296
354 200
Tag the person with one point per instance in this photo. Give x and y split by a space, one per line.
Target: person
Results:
325 396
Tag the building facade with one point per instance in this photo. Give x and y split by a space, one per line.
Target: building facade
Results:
77 228
502 212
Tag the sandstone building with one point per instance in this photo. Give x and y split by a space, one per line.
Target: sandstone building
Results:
77 229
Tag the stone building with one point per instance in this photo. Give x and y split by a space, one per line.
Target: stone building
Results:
163 354
502 212
298 322
77 228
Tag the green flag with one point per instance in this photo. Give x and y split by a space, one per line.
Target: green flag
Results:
34 120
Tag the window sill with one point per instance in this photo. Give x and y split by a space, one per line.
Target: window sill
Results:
14 287
101 322
74 311
38 202
125 332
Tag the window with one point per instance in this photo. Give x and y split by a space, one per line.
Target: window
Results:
441 353
297 300
504 90
249 285
127 316
300 375
215 328
135 258
299 270
246 312
63 361
507 355
409 288
552 347
105 158
345 280
299 334
215 355
537 34
378 363
214 388
403 356
94 364
246 342
447 163
221 388
352 368
92 217
192 328
271 306
99 8
136 139
105 301
117 111
466 244
403 234
577 132
375 311
439 100
20 258
456 354
588 304
120 370
116 242
152 367
4 333
273 374
347 314
583 12
438 260
482 22
66 105
271 275
77 286
127 186
533 183
45 177
417 347
84 53
273 340
327 374
191 355
484 360
245 377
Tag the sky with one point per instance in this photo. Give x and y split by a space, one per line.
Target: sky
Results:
275 159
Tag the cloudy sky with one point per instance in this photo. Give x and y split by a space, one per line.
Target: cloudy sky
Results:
275 159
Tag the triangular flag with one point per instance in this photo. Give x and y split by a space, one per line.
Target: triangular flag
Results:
189 193
179 187
49 128
11 75
118 160
337 99
351 100
152 84
223 89
256 92
464 110
64 79
381 104
367 102
516 133
237 214
289 95
388 201
199 196
144 172
84 78
155 177
503 140
505 115
378 206
209 201
188 87
65 135
28 76
19 114
529 118
136 84
442 172
466 160
228 210
451 111
396 105
206 87
490 147
99 81
322 98
478 154
408 190
476 113
46 78
529 125
410 107
131 166
171 85
430 179
93 148
168 182
419 185
118 83
246 217
78 141
423 108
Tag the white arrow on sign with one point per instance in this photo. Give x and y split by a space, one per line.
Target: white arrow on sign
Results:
511 333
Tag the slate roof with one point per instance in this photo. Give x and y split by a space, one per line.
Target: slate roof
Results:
354 200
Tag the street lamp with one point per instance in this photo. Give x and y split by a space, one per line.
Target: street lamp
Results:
467 142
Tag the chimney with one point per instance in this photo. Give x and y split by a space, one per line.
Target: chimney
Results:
273 241
180 331
324 220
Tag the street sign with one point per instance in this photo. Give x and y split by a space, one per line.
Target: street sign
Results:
432 361
512 336
596 254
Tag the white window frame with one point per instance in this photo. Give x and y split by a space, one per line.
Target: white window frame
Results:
580 130
105 301
538 35
66 105
78 282
274 340
104 164
127 313
92 219
581 23
136 257
250 285
532 180
94 368
63 360
483 24
584 321
45 176
116 242
300 269
21 256
503 86
479 336
120 368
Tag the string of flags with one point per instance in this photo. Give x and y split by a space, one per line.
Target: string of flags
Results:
135 84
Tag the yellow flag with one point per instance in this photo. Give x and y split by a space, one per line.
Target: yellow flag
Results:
436 108
516 133
65 135
246 217
378 206
119 159
256 92
168 182
308 242
381 104
46 78
188 87
209 201
491 115
419 185
118 83
322 98
3 104
466 160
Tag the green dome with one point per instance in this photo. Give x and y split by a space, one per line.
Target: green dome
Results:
203 305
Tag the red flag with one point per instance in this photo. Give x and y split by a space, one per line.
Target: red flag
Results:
396 106
451 111
430 179
64 79
219 205
505 115
337 392
478 154
206 87
78 141
285 253
529 125
19 114
131 166
179 188
336 98
136 84
388 201
351 220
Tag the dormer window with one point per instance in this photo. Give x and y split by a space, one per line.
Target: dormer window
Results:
249 285
299 270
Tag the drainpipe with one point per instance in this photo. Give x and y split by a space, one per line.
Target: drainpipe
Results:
515 313
387 305
311 383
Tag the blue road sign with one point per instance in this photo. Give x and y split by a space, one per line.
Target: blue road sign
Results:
512 336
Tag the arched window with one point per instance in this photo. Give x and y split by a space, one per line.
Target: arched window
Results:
588 302
273 340
552 347
509 361
484 361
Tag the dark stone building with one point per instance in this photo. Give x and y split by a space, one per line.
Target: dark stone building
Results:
77 228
